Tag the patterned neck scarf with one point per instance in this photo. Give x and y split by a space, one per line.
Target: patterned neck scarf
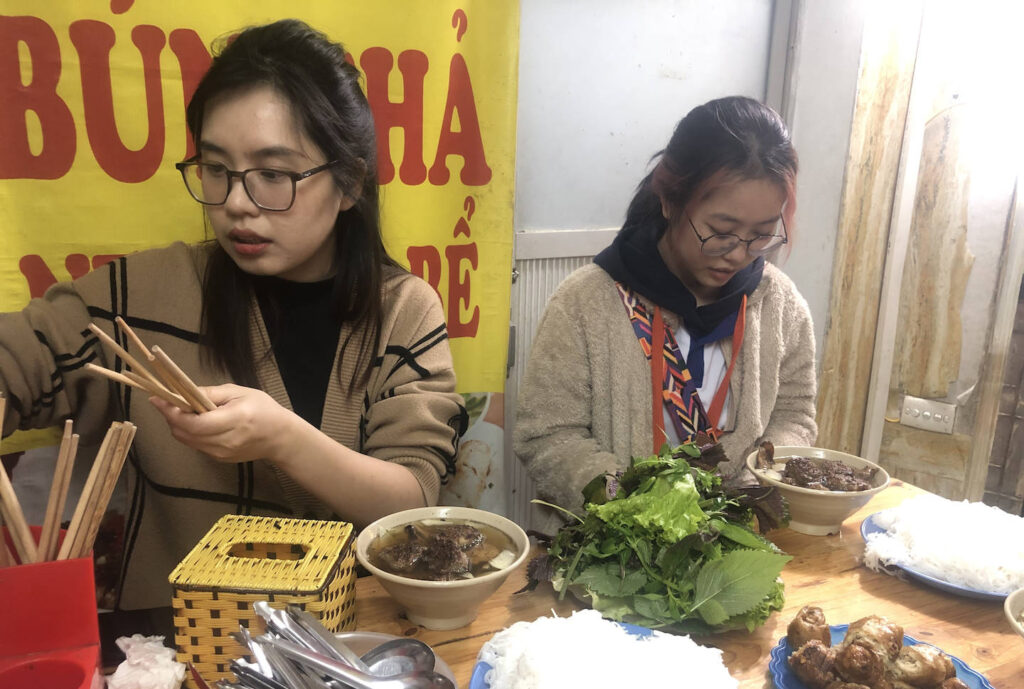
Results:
678 388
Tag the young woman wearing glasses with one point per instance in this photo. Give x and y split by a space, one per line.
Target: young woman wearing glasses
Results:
328 364
686 278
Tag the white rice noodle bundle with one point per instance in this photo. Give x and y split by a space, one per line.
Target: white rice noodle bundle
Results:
586 650
964 543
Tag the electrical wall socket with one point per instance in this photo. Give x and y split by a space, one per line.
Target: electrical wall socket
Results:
928 414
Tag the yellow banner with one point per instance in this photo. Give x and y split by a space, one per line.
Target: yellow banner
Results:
92 99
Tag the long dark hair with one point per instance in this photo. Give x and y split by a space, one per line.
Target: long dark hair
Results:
311 73
728 139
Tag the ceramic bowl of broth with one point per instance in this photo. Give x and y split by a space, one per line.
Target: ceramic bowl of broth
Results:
441 563
814 511
1013 606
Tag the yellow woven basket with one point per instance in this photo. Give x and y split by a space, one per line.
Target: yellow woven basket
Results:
242 560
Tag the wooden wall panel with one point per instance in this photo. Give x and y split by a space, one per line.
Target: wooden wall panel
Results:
883 93
938 263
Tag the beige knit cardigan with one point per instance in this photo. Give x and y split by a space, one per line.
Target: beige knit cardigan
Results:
585 400
408 411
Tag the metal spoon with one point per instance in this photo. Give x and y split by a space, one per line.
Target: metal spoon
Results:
327 642
243 637
355 678
397 656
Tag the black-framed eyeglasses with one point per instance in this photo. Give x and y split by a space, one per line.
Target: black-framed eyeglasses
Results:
270 189
721 244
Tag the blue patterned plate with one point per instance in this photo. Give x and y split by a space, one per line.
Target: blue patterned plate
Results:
783 677
869 526
478 679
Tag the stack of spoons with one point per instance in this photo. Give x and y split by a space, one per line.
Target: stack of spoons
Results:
298 652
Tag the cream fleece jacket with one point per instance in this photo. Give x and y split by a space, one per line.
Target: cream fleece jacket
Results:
585 400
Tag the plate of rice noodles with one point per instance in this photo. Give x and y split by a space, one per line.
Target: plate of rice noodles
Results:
586 650
964 548
784 678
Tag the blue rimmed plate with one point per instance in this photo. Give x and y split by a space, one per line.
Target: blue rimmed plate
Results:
783 677
870 526
478 680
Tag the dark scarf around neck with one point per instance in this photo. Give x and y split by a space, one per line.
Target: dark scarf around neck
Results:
633 260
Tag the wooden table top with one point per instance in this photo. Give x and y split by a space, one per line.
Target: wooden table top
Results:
825 571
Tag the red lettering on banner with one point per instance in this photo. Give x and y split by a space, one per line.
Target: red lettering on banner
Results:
425 261
93 41
458 290
467 142
77 265
406 115
40 278
37 273
458 283
193 61
40 96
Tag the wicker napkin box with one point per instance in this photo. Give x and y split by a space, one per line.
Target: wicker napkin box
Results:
242 560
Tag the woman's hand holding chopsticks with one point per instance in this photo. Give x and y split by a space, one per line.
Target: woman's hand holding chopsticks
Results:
166 381
246 424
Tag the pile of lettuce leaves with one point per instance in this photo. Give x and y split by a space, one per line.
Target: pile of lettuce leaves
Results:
666 544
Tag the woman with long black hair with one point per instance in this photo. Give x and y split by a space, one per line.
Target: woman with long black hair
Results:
328 364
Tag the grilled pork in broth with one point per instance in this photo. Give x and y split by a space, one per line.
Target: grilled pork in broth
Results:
442 550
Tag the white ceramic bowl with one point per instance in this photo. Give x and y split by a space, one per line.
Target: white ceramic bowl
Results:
1013 606
819 512
441 604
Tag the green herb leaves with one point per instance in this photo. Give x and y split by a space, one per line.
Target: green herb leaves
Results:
668 509
664 545
735 583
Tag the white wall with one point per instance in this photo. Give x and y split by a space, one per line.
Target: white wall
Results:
602 83
823 87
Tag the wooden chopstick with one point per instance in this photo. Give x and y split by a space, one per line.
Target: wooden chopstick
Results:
12 513
168 377
21 536
182 381
136 340
141 383
58 493
161 392
123 353
6 559
173 377
165 377
99 465
115 463
13 516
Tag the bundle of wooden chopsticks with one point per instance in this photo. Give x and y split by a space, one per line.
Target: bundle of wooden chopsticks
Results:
170 383
85 523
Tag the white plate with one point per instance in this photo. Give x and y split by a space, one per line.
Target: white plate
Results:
478 680
868 527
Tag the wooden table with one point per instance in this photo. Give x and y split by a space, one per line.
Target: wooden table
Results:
825 571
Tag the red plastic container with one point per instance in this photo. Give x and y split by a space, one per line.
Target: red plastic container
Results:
49 631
